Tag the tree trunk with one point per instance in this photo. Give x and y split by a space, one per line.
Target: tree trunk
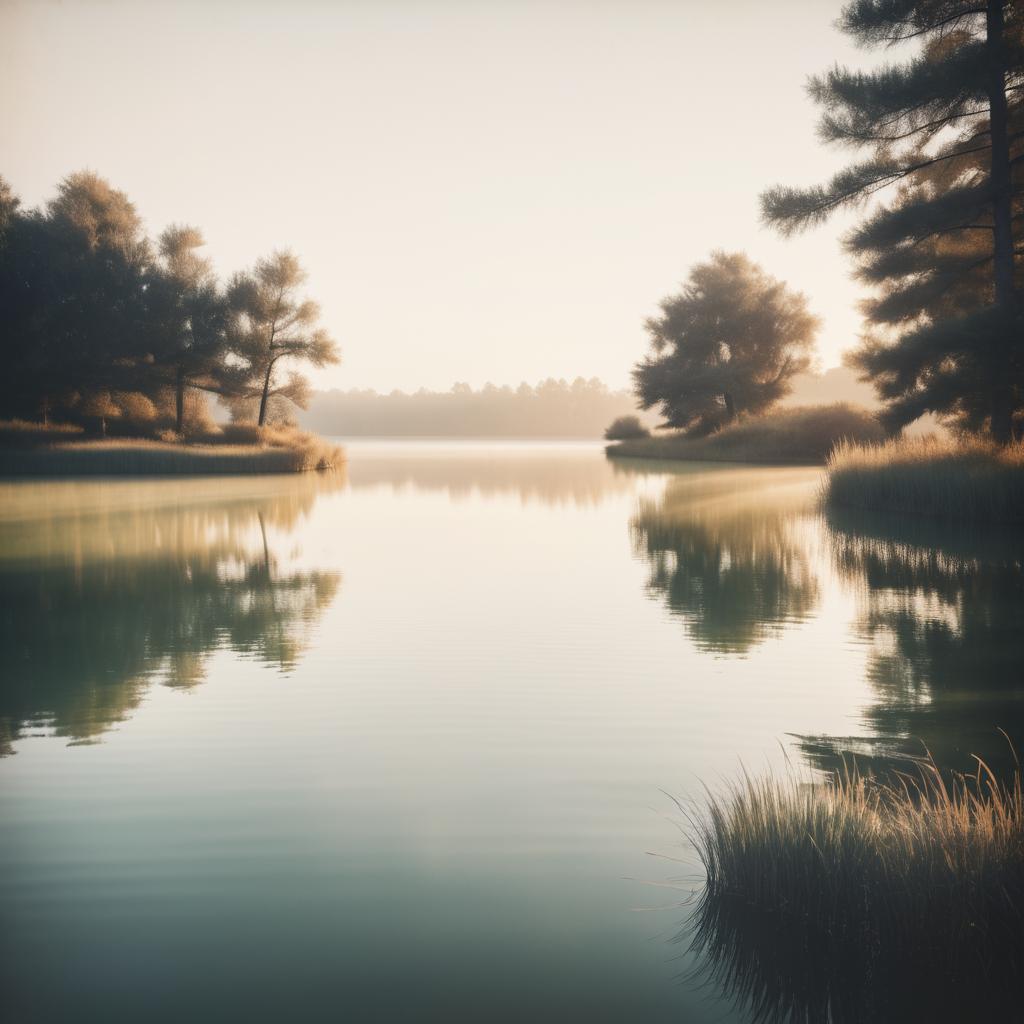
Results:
179 401
1002 213
730 407
265 395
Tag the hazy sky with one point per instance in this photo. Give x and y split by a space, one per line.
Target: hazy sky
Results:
490 190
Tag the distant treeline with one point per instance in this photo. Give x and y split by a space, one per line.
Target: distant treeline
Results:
554 408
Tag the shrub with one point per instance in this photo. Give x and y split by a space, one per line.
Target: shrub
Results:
241 433
626 428
805 435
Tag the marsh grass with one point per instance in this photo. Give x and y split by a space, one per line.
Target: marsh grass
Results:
805 435
25 433
951 479
859 900
230 450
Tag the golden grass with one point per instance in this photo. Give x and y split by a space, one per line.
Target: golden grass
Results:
228 451
804 435
22 433
851 899
931 477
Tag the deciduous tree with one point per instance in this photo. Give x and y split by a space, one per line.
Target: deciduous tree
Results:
729 343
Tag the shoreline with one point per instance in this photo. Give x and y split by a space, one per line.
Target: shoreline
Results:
132 457
670 453
799 436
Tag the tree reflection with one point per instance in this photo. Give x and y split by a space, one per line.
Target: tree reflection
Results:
725 554
556 475
97 606
943 610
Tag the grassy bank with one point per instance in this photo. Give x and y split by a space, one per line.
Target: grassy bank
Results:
930 477
861 901
31 450
803 436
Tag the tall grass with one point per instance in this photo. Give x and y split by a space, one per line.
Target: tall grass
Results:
26 433
858 900
235 449
930 476
803 435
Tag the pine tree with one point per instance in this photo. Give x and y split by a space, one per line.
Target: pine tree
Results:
273 325
71 287
729 343
188 316
945 134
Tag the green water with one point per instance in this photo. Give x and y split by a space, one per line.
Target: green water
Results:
392 745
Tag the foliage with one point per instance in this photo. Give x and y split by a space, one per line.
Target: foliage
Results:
944 136
626 428
104 329
926 476
274 324
71 287
856 900
729 343
804 435
188 316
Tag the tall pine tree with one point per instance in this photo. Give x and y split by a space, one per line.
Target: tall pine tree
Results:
945 135
188 316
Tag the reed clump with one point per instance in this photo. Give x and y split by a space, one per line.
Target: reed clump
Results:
930 476
864 900
803 435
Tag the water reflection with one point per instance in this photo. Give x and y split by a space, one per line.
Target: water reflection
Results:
108 588
779 968
553 474
942 608
728 553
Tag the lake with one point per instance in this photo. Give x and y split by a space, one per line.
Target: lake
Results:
402 743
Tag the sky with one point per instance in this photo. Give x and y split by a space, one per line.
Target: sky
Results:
481 190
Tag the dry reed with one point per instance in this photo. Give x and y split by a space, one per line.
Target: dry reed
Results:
864 900
952 479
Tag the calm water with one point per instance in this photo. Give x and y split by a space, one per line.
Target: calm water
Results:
392 745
